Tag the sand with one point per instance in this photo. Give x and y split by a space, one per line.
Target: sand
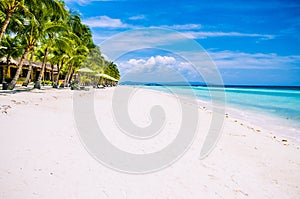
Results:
42 155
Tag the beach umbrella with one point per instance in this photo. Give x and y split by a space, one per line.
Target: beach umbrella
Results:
105 76
85 70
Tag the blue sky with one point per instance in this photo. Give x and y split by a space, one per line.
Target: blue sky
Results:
255 42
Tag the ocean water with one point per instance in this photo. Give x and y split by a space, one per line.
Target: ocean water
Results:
283 103
278 108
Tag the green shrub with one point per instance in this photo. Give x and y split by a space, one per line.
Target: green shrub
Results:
85 80
20 80
46 82
74 86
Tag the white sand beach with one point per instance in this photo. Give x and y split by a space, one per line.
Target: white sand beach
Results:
41 154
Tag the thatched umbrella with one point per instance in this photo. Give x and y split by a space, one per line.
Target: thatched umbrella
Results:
105 76
85 70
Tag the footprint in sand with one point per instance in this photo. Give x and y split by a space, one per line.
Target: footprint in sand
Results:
18 103
4 108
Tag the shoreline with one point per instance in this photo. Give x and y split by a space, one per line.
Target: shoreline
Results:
278 127
270 124
42 155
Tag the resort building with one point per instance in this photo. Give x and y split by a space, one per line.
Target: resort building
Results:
9 69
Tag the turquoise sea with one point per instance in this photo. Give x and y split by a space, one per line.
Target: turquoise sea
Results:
274 107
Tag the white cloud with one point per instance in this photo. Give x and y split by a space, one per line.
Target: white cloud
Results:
201 35
136 62
104 22
148 63
153 69
258 61
156 68
165 60
168 68
137 17
183 26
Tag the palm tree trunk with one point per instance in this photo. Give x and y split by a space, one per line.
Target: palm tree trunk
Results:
65 83
70 76
13 82
3 74
55 85
6 22
5 69
52 73
38 82
26 82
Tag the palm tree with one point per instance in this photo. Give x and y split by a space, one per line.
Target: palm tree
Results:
76 58
58 58
13 49
28 34
60 65
94 60
52 40
51 23
30 42
48 25
33 29
112 70
80 44
8 8
27 80
45 55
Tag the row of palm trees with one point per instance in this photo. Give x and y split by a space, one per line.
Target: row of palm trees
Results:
45 29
